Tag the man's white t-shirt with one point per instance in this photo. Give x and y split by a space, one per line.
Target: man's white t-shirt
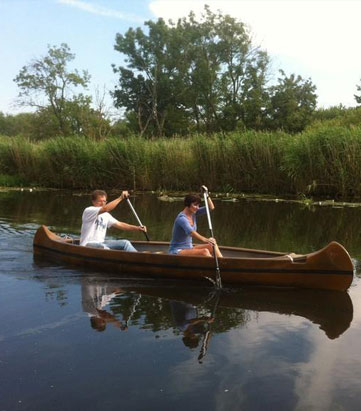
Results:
94 225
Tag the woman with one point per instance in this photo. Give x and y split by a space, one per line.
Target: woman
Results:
185 229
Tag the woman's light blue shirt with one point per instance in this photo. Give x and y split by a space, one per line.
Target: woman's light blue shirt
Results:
182 229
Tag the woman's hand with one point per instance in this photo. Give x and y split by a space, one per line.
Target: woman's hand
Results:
205 189
210 240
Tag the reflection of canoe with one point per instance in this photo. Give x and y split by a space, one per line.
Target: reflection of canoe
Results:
329 268
331 310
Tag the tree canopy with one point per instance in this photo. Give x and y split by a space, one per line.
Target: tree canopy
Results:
178 78
203 76
47 85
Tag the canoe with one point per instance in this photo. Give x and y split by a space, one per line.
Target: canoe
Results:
330 268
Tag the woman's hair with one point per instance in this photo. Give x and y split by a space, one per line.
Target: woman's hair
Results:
191 198
98 193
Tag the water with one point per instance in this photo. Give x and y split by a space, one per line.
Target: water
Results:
73 339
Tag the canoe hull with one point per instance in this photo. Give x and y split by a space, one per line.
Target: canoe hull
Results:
330 268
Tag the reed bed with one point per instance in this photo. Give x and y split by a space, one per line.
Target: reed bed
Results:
324 160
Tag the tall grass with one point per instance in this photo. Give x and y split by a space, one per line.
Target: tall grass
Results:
323 160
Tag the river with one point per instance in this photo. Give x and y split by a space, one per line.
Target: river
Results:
72 339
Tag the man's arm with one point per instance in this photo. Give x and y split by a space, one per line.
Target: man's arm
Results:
128 227
110 206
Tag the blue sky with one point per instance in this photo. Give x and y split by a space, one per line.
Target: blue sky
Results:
314 38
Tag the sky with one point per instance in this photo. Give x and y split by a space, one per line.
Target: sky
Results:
317 39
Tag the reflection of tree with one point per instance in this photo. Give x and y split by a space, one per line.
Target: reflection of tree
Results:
59 294
152 309
332 311
151 313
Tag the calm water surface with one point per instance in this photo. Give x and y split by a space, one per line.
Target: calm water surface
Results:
73 339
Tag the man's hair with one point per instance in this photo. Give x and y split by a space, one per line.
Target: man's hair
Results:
98 193
191 198
98 323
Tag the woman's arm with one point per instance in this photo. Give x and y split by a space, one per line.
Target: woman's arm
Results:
210 203
199 237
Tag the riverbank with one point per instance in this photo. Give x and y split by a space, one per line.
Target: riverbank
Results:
322 162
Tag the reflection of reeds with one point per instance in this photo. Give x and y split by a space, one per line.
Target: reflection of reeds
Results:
322 160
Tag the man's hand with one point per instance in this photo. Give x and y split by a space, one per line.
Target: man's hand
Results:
124 195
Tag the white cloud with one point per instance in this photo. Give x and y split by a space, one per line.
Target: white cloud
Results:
317 39
99 10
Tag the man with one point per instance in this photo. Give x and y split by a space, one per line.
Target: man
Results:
96 219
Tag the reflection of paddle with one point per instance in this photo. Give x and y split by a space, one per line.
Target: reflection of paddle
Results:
207 335
134 306
218 273
137 218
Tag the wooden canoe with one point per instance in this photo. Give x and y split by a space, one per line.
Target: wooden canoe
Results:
329 268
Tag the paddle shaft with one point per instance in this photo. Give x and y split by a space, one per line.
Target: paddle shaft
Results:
218 272
137 218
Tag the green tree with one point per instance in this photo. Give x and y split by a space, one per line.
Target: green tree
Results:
191 75
292 103
46 84
358 97
15 124
151 83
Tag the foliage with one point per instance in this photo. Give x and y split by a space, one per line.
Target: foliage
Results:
204 76
320 161
336 116
325 161
48 78
292 102
46 84
358 96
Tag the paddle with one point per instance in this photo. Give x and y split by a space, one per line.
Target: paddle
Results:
137 218
218 273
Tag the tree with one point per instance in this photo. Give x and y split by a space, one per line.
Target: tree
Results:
151 84
358 97
46 84
202 75
14 124
292 102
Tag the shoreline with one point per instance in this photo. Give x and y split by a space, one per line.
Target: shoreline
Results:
164 195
